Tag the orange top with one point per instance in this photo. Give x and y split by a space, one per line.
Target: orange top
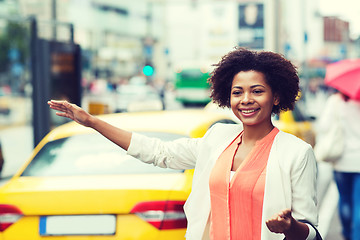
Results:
236 205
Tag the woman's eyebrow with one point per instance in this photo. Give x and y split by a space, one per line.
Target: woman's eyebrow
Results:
257 85
253 86
236 87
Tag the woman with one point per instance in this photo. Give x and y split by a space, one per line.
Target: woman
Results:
273 185
347 167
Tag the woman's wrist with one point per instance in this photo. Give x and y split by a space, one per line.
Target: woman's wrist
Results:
297 230
92 121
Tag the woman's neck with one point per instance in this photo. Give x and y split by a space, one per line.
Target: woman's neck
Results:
253 133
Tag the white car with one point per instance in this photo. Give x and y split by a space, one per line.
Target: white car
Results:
135 98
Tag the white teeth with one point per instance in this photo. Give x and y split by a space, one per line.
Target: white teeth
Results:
248 111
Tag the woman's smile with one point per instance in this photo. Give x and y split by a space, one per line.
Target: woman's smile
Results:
249 112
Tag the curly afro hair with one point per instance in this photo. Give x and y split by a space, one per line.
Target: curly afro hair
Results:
280 74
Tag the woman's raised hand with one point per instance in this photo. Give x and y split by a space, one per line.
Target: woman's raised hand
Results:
65 109
71 111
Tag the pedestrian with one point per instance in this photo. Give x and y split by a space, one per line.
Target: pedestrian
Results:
346 111
251 180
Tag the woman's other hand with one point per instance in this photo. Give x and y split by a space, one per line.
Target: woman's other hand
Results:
281 222
284 223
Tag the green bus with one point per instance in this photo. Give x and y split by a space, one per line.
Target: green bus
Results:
191 86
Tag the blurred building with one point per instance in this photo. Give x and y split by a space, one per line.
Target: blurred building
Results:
336 37
120 36
113 34
7 7
309 38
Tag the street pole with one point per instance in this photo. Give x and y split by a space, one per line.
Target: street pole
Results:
41 113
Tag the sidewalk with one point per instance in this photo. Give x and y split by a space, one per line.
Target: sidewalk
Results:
335 228
20 111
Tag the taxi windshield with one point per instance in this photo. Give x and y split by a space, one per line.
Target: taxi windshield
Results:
90 154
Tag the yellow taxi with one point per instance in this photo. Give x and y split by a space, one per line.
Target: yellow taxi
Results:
79 185
296 123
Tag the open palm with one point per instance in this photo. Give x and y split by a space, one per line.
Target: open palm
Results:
71 111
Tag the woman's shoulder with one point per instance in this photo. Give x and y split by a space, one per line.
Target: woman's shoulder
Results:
291 141
293 152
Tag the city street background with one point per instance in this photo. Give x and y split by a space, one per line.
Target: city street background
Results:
93 53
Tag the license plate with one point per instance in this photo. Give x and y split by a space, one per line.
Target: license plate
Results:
77 225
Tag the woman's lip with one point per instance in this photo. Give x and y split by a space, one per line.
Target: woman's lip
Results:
249 112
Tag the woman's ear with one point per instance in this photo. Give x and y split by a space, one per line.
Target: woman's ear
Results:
276 100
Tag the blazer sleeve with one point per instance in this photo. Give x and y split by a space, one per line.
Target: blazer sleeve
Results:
177 154
304 187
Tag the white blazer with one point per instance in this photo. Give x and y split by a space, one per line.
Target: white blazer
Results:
290 175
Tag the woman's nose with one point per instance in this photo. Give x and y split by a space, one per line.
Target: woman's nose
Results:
246 98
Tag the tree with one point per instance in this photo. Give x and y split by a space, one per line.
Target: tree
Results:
15 37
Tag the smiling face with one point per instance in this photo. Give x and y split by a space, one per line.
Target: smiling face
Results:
252 99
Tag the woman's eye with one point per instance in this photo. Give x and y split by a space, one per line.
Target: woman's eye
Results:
236 93
258 91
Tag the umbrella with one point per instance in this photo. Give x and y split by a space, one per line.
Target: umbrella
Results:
344 76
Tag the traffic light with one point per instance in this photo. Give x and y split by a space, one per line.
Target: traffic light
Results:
148 70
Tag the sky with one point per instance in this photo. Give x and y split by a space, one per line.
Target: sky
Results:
348 10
